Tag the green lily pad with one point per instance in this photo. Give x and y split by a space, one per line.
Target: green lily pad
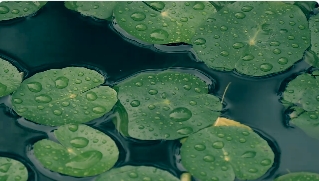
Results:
10 78
62 96
15 9
160 22
314 27
166 105
224 152
302 94
81 152
135 173
299 176
253 38
97 9
12 170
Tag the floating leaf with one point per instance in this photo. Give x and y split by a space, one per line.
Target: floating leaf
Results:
160 22
225 152
61 96
303 95
97 9
314 27
81 152
135 173
166 105
15 9
12 170
254 38
299 176
10 78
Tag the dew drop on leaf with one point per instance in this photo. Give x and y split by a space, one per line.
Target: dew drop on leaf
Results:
79 142
34 86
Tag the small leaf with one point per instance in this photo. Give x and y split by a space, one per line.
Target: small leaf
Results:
12 170
226 152
10 78
253 38
314 27
130 173
97 9
299 176
167 105
160 22
16 9
303 94
62 96
81 152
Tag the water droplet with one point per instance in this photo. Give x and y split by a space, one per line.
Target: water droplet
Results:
15 11
200 41
238 45
192 103
99 110
158 5
216 36
282 61
274 43
214 179
135 103
291 23
64 104
183 19
85 160
229 138
294 45
180 114
87 78
80 74
301 27
223 28
247 8
220 135
248 57
218 145
153 92
253 170
200 147
91 96
4 9
249 154
185 131
73 127
5 167
240 15
26 9
21 110
40 107
43 98
159 35
209 158
313 116
57 112
61 82
269 12
96 6
242 140
79 142
187 87
165 108
276 51
138 84
199 6
290 37
17 101
138 16
265 162
224 168
147 179
133 175
141 27
34 86
151 107
197 90
224 53
265 67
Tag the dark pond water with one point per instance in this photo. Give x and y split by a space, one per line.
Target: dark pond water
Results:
57 38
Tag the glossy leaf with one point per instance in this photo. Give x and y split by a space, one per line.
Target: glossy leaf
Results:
136 173
253 38
299 176
16 9
10 78
12 170
166 105
160 22
303 95
81 152
225 152
61 96
314 27
97 9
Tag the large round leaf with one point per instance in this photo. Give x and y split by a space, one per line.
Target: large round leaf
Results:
82 151
12 170
303 97
61 96
166 105
314 27
299 176
136 173
221 153
97 9
16 9
254 38
10 78
160 22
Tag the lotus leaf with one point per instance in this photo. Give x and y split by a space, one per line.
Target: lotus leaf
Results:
299 176
12 170
10 78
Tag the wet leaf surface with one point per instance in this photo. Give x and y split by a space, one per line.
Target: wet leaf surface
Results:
12 170
10 78
299 176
